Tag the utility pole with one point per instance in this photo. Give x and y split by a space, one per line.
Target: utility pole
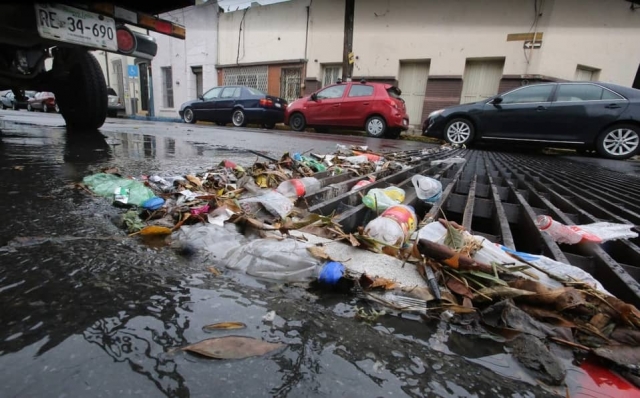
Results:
347 53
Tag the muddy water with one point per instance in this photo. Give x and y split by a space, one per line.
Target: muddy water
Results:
88 312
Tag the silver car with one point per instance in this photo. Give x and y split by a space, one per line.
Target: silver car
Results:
115 104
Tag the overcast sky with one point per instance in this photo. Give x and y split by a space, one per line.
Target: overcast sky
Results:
232 5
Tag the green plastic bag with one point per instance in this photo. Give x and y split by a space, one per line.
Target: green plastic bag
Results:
105 185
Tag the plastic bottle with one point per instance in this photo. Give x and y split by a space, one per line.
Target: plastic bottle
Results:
299 187
428 189
360 184
394 226
558 231
382 199
356 159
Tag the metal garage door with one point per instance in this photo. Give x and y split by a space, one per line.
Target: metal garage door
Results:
413 83
481 80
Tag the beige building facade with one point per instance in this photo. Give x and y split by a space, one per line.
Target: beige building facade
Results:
438 52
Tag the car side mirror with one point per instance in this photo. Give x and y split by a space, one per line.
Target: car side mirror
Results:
314 97
497 101
201 98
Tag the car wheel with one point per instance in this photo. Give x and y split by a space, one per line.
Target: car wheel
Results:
393 133
238 118
15 107
297 122
619 142
459 132
375 127
29 108
82 97
269 126
57 108
188 116
322 130
221 124
45 108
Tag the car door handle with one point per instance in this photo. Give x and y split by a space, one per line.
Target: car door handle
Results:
612 106
365 103
541 108
336 105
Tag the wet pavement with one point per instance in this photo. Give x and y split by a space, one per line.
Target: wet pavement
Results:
89 312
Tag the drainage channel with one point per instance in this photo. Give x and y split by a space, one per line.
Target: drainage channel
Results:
499 195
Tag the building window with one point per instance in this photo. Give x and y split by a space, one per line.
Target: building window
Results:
251 76
197 71
587 73
290 81
331 74
167 82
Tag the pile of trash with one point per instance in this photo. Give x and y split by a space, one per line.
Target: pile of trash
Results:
256 220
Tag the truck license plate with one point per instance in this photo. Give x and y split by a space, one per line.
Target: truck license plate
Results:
71 25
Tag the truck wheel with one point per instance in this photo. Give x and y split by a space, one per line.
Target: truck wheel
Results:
82 94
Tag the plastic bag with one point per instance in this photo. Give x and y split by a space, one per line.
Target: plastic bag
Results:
273 201
491 252
382 199
105 185
452 160
286 260
215 241
596 232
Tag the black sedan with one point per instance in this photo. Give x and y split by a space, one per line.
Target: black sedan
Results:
239 105
581 115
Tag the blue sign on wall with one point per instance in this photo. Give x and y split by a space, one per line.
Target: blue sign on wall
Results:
133 70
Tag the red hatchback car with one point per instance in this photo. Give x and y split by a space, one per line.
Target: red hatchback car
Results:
375 107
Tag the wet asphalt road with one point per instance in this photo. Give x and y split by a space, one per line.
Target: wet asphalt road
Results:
89 312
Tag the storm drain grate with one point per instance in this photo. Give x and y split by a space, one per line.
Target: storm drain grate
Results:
498 196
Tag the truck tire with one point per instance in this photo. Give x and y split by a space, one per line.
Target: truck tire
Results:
82 96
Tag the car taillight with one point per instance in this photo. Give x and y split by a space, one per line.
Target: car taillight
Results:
126 40
266 102
392 103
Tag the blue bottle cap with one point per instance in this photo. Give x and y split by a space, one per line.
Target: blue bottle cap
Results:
331 272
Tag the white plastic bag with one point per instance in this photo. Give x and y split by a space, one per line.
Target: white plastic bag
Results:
213 240
275 203
286 260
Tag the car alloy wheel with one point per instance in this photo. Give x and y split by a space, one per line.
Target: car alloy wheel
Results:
238 118
57 109
459 132
188 115
45 108
376 126
621 142
29 108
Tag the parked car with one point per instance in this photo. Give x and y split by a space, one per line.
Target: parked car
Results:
581 115
239 105
115 104
8 100
44 101
374 107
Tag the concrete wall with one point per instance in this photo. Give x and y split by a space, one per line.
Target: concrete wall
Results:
270 33
198 49
602 34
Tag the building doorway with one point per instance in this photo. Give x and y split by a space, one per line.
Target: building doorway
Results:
413 84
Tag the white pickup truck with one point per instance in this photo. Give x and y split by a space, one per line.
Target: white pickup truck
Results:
31 32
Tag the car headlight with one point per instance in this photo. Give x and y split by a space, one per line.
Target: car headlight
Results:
435 113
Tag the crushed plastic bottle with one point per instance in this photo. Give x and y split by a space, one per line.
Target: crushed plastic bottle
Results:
361 184
382 199
558 231
394 226
273 201
428 189
299 187
356 159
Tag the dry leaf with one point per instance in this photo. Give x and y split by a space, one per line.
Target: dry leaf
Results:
194 180
459 287
466 302
386 284
225 326
353 240
215 271
547 316
232 347
155 230
318 252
